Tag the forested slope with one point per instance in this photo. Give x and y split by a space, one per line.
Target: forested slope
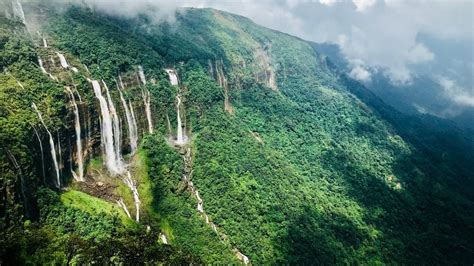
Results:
293 163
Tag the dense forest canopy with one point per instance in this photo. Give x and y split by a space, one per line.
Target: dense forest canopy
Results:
251 148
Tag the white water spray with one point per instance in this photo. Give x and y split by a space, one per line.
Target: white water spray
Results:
51 143
18 11
45 43
107 133
77 125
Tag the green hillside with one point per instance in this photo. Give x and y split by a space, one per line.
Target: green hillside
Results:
295 164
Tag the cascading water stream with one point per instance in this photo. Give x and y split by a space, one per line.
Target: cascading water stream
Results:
116 127
41 149
132 126
45 43
141 74
51 143
40 62
64 62
124 207
187 177
146 98
77 125
147 103
128 180
132 112
180 137
107 133
172 76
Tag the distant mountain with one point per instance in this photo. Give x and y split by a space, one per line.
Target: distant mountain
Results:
424 94
213 140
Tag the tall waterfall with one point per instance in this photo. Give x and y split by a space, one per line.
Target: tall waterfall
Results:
180 136
18 11
45 43
146 98
51 143
147 102
134 120
116 126
131 183
113 163
41 148
132 126
173 77
77 125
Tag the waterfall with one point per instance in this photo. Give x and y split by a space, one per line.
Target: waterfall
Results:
62 60
45 43
18 11
40 62
113 163
128 180
132 126
141 74
169 125
121 83
180 137
51 143
77 125
147 103
87 69
64 63
41 148
146 98
116 127
163 238
172 76
200 207
124 207
134 120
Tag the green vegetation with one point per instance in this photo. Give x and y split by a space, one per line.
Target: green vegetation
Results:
94 206
313 171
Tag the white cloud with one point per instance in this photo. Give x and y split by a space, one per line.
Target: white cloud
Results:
328 2
361 74
419 54
362 5
456 93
